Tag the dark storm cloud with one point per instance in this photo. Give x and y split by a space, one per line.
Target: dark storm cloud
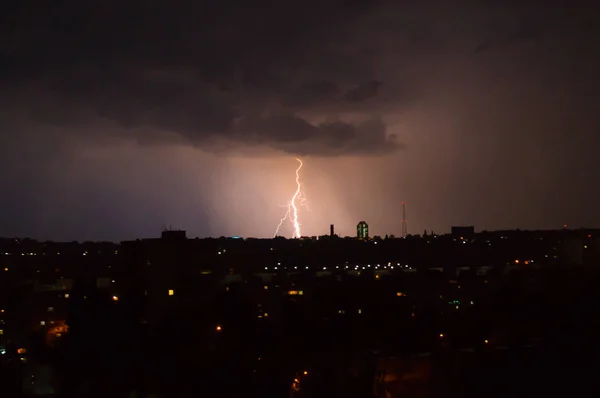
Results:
295 135
311 93
363 92
189 70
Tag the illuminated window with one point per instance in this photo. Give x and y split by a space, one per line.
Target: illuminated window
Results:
266 287
50 309
66 295
400 294
359 311
1 332
293 292
43 323
21 351
171 292
115 298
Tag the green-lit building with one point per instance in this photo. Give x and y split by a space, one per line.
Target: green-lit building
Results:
362 230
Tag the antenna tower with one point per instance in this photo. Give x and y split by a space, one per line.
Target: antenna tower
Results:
404 230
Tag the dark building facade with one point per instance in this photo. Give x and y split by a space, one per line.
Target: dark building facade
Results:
463 231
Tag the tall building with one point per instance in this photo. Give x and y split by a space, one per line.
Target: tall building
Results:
362 230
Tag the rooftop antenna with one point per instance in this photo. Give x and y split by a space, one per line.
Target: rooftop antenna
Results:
404 230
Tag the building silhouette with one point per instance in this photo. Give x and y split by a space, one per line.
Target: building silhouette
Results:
362 230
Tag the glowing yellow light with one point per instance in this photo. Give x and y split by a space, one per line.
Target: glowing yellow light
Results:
305 373
219 328
441 335
516 261
485 341
5 269
66 295
115 298
400 294
2 311
266 287
376 276
1 332
266 314
171 292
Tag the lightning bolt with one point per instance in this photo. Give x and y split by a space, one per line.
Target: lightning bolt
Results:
298 199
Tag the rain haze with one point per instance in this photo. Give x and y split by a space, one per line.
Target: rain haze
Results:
120 118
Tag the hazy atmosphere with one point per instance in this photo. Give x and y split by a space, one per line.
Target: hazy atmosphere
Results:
133 116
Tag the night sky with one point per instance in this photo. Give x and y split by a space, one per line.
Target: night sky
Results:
118 118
